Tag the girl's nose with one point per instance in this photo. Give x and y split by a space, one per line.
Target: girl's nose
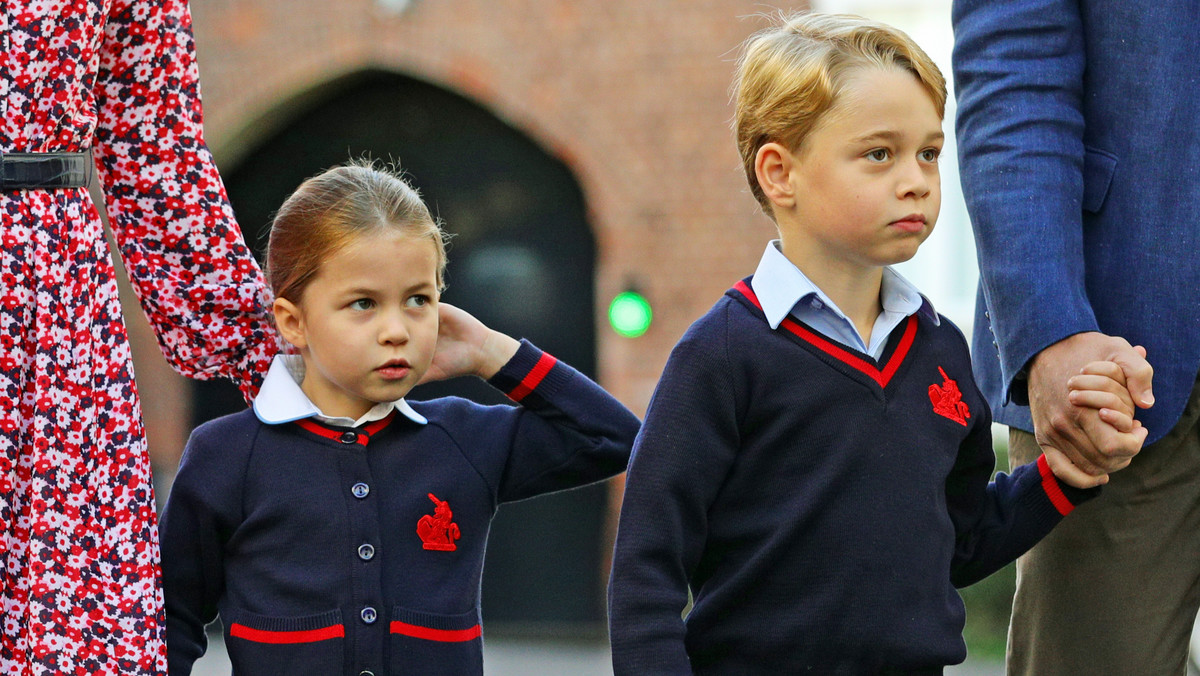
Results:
393 330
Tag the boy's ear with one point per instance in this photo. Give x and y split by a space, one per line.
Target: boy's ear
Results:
773 165
290 321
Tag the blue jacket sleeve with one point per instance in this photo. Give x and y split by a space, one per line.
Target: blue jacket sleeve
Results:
688 443
1018 72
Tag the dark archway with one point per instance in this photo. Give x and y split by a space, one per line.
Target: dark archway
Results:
521 260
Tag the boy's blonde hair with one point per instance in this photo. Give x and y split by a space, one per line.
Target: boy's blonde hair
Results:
328 210
791 74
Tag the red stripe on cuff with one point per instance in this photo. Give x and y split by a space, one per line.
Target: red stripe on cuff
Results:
307 636
534 378
444 635
1053 490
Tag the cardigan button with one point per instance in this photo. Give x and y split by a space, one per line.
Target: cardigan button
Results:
366 552
348 438
366 672
360 490
368 615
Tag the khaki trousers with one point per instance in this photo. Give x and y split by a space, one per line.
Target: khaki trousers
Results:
1114 589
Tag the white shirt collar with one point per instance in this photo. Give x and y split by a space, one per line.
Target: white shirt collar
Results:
280 399
779 285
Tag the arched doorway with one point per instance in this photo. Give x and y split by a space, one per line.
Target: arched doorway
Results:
521 260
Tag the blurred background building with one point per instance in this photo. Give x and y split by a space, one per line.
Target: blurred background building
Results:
577 149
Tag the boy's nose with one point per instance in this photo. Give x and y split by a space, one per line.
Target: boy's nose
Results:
914 181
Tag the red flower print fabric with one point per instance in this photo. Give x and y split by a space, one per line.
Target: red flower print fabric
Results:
80 589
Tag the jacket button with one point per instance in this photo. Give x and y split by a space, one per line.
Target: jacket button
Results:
366 672
348 438
366 552
368 615
360 490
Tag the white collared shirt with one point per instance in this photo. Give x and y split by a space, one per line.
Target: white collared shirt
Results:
783 289
280 400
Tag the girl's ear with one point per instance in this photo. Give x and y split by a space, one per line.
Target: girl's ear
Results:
773 165
289 319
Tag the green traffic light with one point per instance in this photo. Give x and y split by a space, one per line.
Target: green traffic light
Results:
629 314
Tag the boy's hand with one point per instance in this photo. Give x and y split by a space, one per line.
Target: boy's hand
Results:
1066 471
1100 385
466 347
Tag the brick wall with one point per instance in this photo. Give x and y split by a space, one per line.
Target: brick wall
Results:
632 95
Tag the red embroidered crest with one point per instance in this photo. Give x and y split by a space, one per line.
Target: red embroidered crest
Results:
947 400
438 532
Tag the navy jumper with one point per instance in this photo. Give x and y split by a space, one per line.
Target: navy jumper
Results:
330 550
821 506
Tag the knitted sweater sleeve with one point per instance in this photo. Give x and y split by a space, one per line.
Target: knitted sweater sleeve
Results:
997 521
203 508
567 431
688 442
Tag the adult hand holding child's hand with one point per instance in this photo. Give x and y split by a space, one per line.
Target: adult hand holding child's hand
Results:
1091 431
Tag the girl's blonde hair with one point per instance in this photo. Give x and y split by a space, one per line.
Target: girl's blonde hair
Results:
332 208
791 74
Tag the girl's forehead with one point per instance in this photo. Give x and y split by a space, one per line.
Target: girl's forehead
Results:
383 254
390 240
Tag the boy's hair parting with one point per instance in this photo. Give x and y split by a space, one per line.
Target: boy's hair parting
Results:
790 74
330 209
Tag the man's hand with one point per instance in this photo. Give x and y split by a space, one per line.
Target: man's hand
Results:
1079 433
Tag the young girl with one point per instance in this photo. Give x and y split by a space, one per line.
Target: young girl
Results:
337 528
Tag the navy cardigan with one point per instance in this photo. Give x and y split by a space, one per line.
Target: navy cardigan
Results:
820 506
344 551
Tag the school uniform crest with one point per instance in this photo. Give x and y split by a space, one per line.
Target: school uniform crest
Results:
947 400
438 530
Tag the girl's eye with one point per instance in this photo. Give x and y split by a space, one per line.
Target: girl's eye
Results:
418 301
930 155
878 155
363 304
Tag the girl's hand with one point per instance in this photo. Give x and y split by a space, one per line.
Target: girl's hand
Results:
466 347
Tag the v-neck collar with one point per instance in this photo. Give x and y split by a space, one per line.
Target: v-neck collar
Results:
861 362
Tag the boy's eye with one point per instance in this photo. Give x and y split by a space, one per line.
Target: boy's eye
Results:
878 155
930 155
418 300
363 304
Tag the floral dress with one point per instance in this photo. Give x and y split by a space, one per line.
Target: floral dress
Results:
80 589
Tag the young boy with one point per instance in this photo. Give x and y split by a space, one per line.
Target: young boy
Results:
814 465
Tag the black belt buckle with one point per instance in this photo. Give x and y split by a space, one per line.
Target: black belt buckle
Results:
45 171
